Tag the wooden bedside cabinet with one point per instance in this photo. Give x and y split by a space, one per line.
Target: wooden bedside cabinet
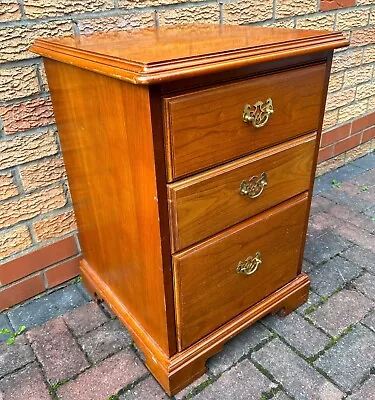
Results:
190 153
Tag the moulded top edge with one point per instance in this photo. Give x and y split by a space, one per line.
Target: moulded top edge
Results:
157 54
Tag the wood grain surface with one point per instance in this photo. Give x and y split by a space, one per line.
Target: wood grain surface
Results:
205 128
208 289
161 54
205 204
116 206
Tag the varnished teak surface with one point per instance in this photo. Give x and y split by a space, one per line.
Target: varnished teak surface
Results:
211 202
115 152
205 128
155 55
109 158
208 289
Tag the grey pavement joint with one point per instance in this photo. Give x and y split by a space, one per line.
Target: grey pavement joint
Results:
234 384
363 257
238 347
194 387
341 311
148 389
280 396
366 285
298 378
351 359
27 383
85 318
325 247
4 323
304 337
310 304
104 341
104 379
369 321
15 356
344 195
366 391
57 351
333 275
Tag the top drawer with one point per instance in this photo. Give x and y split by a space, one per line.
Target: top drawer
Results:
205 128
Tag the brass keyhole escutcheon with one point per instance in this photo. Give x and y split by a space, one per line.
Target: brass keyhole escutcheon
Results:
255 186
258 114
250 265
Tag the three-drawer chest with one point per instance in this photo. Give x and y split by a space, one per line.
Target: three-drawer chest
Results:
190 153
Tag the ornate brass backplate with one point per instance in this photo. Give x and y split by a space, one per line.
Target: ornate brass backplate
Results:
250 265
254 187
258 114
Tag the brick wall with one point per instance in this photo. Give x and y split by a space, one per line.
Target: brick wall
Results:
38 244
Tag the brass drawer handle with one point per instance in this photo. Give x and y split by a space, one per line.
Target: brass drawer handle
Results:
250 265
259 115
254 187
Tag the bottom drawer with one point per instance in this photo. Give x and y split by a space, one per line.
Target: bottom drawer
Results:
213 281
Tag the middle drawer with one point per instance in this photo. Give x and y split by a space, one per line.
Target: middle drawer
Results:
206 204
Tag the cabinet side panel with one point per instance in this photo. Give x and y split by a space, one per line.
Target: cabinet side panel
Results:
106 136
317 147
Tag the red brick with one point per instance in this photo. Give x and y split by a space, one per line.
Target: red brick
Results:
37 260
62 272
57 350
320 204
357 235
366 178
326 5
351 189
346 144
365 196
368 134
21 291
27 115
322 221
336 134
104 379
363 122
325 153
16 356
345 214
149 389
27 384
105 341
85 318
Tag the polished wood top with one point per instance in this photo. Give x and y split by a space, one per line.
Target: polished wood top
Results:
152 55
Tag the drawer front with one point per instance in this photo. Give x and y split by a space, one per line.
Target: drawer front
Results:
206 128
208 289
206 204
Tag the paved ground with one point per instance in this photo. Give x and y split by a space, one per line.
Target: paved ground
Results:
73 349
